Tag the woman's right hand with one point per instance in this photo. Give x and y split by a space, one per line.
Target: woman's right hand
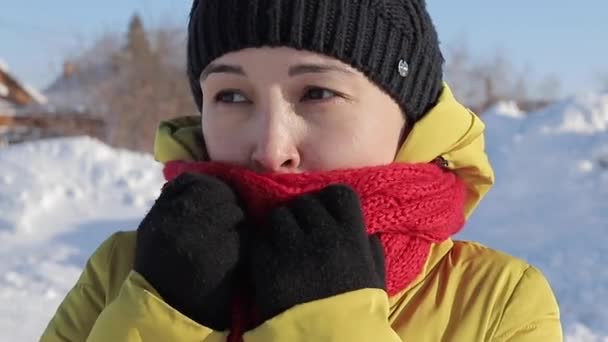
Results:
189 247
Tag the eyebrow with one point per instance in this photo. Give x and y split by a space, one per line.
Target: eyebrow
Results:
222 68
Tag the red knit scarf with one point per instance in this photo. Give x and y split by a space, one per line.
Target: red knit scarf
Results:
410 206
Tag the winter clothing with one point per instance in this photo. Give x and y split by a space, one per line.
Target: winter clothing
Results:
410 206
188 248
393 42
465 292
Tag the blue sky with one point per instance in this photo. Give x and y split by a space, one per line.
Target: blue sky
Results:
561 37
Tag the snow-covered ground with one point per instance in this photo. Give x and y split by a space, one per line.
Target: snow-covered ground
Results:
60 198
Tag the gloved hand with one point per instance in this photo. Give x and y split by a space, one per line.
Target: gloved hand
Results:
189 246
315 247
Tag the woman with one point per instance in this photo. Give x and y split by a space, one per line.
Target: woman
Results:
315 197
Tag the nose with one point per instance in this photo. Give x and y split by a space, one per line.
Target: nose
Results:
275 163
276 149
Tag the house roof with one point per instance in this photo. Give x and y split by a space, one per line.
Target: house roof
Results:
16 92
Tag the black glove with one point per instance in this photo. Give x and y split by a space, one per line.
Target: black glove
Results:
315 247
189 247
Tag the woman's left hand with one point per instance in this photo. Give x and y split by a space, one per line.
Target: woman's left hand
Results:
314 247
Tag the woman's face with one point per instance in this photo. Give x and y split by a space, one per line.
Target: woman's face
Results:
289 111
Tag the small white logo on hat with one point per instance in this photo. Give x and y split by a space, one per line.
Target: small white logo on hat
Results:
404 68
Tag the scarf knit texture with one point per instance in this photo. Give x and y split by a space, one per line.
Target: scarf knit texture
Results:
410 206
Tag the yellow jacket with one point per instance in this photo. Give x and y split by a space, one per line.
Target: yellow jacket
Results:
466 291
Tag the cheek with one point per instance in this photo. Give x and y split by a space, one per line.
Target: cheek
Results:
225 140
352 144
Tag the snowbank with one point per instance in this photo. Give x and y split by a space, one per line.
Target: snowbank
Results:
507 108
58 200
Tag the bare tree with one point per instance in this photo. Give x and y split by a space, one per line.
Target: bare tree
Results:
144 85
480 83
549 87
458 70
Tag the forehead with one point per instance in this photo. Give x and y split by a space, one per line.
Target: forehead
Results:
278 58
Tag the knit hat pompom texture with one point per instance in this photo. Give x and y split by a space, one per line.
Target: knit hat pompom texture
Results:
393 42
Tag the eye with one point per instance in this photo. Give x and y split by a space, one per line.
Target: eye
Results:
230 96
318 94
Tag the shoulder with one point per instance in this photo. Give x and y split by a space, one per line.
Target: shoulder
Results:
478 263
122 244
111 263
468 263
476 293
469 253
118 249
473 260
523 298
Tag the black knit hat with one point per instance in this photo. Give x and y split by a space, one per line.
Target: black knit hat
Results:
393 42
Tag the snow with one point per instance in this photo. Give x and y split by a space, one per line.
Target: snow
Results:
60 198
508 109
3 90
38 97
583 114
580 333
46 180
585 166
3 65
